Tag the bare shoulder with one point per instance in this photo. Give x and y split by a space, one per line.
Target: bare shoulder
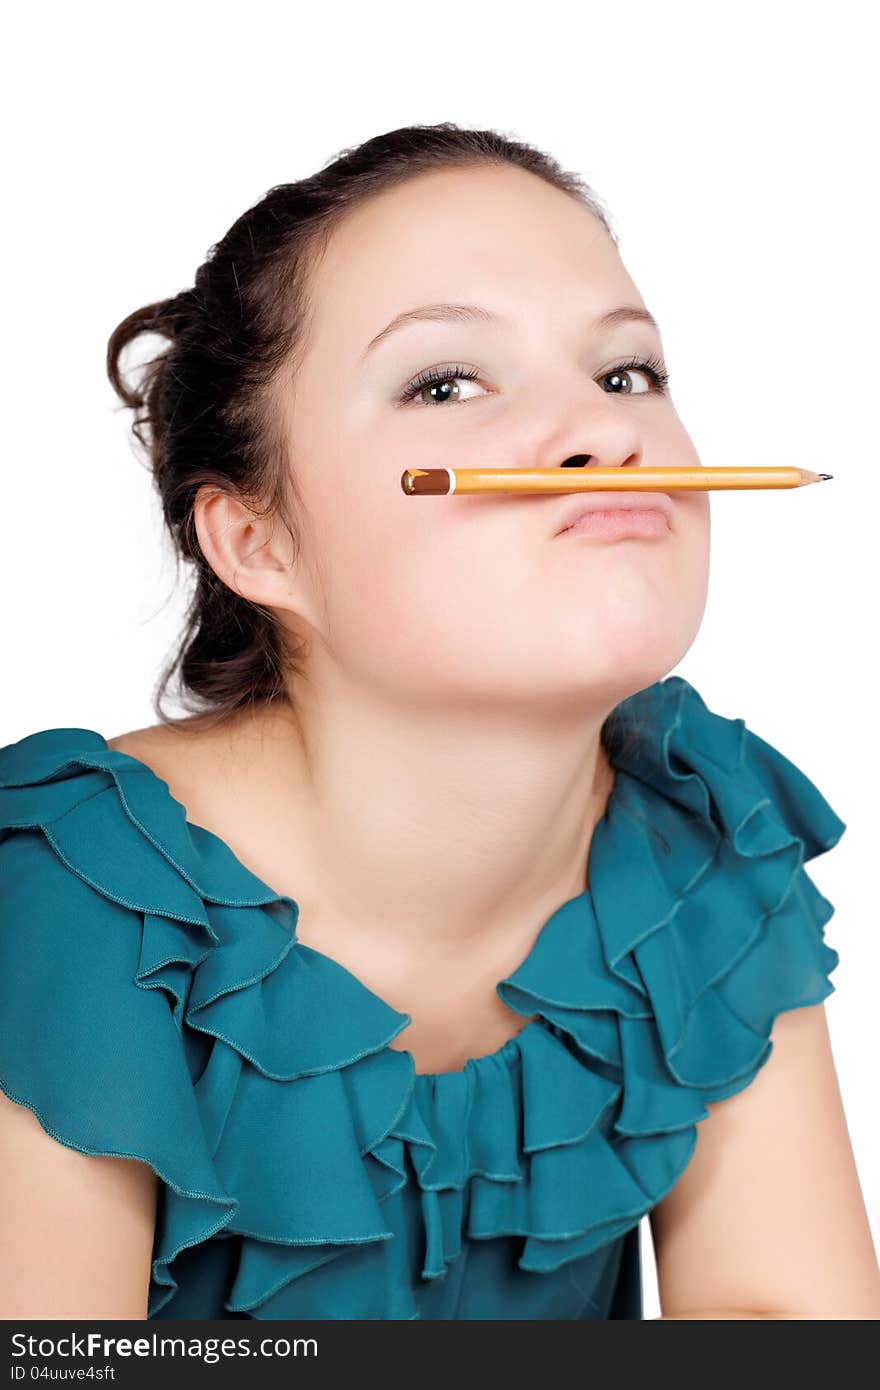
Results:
158 740
199 742
233 777
203 742
201 767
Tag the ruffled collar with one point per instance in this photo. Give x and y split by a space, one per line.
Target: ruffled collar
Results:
687 784
702 843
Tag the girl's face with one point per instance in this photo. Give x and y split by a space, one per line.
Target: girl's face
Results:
474 599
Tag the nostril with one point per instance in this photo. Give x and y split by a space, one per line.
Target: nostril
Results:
576 461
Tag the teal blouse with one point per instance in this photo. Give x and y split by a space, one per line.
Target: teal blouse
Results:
156 1004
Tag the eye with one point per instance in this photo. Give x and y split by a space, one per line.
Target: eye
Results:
623 377
651 367
439 376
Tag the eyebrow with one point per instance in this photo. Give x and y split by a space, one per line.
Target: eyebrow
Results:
473 313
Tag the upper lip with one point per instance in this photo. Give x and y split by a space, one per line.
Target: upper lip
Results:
578 506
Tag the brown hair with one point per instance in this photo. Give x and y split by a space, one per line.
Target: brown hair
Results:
203 409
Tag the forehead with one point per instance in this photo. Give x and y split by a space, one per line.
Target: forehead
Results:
493 235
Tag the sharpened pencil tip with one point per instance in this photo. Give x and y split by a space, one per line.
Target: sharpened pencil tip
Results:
825 476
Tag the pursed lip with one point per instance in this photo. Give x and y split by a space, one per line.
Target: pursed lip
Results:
578 506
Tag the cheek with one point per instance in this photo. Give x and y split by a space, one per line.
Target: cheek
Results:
457 603
415 592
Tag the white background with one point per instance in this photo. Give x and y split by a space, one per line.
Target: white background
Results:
735 149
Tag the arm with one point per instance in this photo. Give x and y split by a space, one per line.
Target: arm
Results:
722 1315
77 1229
769 1213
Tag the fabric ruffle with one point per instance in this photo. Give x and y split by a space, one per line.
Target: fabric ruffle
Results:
255 1075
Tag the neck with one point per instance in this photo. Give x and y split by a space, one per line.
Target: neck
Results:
425 829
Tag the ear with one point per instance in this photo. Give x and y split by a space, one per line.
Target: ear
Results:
253 555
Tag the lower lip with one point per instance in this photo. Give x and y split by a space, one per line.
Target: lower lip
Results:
621 525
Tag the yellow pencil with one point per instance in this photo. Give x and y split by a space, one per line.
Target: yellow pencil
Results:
438 482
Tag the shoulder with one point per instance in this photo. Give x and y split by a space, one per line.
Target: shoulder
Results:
174 756
135 742
107 950
79 868
147 985
180 754
161 740
207 764
735 974
92 918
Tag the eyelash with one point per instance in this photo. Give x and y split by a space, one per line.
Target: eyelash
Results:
654 367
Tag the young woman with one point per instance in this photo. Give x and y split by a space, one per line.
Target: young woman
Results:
448 935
